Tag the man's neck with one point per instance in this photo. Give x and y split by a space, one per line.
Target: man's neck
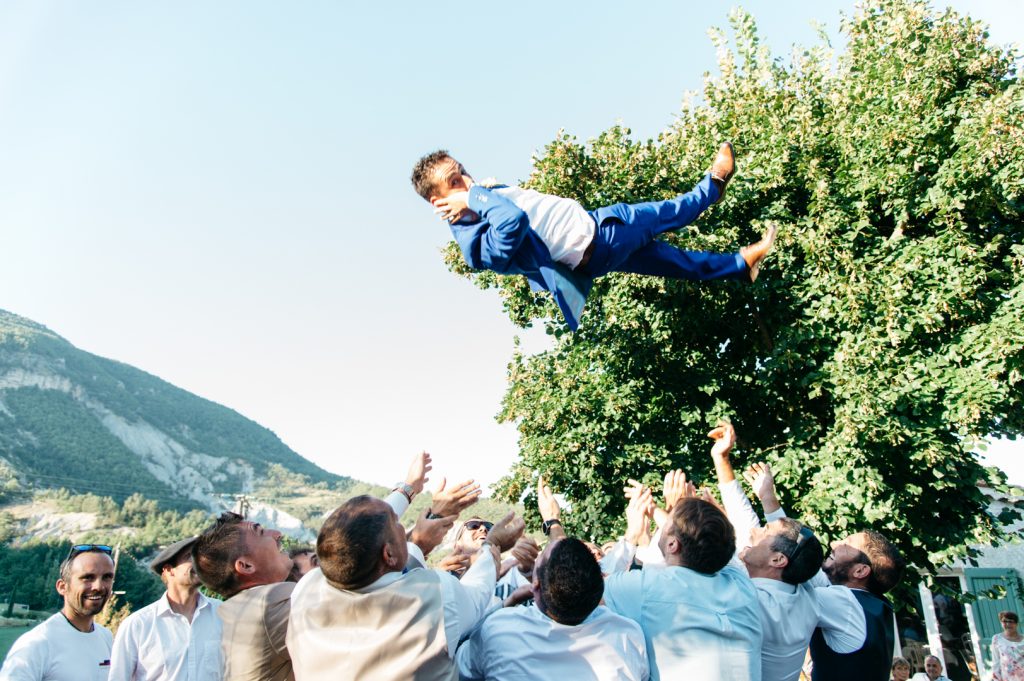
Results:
183 599
83 623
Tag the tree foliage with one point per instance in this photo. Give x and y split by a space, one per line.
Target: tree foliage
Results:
883 339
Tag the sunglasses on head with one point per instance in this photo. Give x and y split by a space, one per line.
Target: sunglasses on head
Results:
805 533
88 548
477 524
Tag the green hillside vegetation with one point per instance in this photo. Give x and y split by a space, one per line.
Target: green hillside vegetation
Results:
53 438
70 448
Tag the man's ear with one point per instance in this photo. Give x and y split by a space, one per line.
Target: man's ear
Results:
672 545
389 556
860 571
778 560
62 587
243 566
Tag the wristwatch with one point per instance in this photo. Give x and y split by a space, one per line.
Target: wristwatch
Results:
548 524
406 489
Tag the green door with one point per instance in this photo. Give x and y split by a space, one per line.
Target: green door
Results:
985 583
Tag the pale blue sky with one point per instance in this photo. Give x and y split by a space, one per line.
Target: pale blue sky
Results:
218 193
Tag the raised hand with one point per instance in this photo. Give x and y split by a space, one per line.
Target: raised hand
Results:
418 469
454 562
676 487
725 437
639 512
760 478
454 500
506 531
429 532
453 207
525 553
546 502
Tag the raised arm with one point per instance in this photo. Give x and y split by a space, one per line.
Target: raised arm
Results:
737 507
404 492
550 512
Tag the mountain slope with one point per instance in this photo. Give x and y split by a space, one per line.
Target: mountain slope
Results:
74 420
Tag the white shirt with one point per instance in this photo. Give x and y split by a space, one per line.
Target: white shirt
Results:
56 651
465 600
524 644
698 627
790 614
158 644
562 224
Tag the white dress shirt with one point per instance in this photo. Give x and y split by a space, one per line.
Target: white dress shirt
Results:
56 651
789 613
562 224
524 644
156 643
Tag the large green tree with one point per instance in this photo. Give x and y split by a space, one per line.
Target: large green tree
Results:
884 338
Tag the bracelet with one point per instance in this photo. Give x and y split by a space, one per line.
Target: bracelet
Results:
433 516
548 524
406 489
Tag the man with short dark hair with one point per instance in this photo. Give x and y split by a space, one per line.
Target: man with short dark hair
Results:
781 557
178 636
303 560
417 616
69 646
567 635
562 248
699 613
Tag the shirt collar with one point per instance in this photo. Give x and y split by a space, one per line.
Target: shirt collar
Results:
164 604
769 584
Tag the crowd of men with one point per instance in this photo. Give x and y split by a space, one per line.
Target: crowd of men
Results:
697 588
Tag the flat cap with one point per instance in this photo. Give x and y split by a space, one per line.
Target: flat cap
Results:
169 553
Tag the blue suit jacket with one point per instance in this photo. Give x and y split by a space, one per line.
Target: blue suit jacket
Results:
502 241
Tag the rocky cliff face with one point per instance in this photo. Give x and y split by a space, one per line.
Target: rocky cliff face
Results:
92 425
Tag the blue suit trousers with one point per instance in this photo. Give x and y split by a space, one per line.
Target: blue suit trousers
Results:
625 240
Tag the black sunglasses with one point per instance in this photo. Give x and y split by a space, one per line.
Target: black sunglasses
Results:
477 524
88 548
805 533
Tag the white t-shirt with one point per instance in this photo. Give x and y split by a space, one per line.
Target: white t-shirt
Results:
56 651
523 644
562 224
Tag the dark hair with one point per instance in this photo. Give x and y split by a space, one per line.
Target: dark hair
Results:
351 541
1009 615
805 555
424 178
887 564
215 552
707 540
571 585
899 662
297 551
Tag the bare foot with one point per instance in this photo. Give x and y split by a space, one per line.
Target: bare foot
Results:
755 253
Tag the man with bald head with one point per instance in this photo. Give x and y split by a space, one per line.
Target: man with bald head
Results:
70 646
417 616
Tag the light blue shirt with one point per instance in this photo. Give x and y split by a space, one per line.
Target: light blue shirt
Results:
697 627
